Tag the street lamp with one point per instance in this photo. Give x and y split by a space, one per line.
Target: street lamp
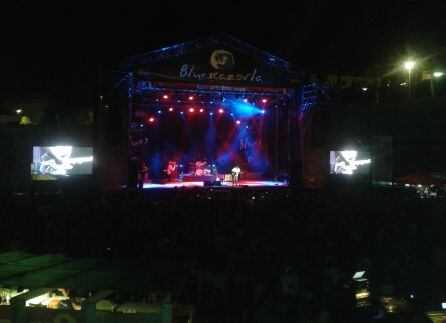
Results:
434 75
409 66
18 111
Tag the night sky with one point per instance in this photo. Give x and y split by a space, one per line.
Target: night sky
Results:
55 48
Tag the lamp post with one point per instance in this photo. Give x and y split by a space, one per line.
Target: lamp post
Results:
434 75
409 66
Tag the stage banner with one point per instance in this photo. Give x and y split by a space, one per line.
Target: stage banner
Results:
139 135
251 147
218 64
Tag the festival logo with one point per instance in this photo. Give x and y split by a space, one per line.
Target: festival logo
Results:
222 60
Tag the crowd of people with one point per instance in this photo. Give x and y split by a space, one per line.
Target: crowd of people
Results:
252 255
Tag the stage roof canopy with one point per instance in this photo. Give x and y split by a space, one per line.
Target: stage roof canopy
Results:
216 59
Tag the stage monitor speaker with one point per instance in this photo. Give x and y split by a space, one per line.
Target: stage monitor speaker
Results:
212 183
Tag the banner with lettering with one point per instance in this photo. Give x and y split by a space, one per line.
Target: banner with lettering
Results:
217 65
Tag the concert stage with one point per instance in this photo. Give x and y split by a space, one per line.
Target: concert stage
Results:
243 183
208 107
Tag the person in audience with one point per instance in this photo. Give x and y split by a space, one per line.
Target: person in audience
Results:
263 252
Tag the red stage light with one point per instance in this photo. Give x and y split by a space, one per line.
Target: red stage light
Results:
191 110
201 110
264 100
151 119
238 122
191 98
221 110
170 109
165 96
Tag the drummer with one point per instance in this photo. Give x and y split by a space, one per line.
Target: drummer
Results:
199 165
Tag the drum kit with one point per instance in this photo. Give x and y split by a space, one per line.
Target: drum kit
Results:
199 168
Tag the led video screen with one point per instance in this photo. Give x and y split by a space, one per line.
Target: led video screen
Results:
349 162
62 161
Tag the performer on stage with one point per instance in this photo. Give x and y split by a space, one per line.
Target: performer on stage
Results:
214 172
235 174
172 171
199 168
143 170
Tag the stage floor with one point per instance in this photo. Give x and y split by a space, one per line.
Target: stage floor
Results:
246 183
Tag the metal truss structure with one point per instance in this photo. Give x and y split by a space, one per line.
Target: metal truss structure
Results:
312 95
205 42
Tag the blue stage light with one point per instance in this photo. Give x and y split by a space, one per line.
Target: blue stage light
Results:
241 107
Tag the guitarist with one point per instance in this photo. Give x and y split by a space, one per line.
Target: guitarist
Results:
143 170
235 175
172 171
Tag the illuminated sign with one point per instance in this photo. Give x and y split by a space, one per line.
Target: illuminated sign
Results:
189 72
223 62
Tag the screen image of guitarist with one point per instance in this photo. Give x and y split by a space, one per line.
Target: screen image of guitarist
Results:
349 162
62 160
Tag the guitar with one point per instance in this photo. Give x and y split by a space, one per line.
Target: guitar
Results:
60 167
171 169
345 168
236 172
